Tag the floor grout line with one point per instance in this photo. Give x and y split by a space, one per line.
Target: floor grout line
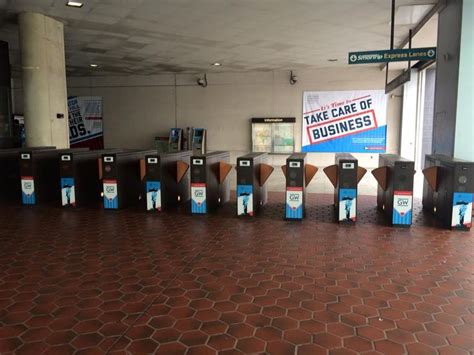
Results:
161 293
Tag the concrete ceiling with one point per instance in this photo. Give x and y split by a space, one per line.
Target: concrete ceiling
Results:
153 36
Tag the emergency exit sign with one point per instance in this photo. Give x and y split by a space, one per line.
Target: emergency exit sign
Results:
394 55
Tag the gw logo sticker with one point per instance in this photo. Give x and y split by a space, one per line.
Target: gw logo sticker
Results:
110 189
294 197
403 202
199 193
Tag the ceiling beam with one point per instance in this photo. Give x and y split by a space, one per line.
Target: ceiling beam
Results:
438 7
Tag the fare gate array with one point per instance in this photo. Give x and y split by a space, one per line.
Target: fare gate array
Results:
164 181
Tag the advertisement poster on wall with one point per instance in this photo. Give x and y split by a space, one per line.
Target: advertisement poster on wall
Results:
344 121
85 122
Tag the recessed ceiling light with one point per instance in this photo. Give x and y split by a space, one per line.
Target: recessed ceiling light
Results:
332 60
216 64
94 65
74 4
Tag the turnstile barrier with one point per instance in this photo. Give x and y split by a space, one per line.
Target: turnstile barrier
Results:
209 186
345 175
167 182
122 178
79 177
39 174
252 174
395 188
10 180
448 190
298 175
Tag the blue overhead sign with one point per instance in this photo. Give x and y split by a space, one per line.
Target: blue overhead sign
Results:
394 55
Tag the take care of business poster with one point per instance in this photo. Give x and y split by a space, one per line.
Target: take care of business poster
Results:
344 121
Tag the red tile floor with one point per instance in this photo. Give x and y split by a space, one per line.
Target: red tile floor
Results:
92 282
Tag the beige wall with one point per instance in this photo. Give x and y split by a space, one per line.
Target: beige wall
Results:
136 109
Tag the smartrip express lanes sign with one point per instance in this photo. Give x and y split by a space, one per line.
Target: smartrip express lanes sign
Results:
395 55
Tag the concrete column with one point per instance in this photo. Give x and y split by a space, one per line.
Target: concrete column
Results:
453 127
464 134
44 80
5 96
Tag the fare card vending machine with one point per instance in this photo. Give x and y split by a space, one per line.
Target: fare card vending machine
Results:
79 177
175 140
395 188
345 176
121 179
199 141
252 174
167 182
209 186
448 190
39 175
10 184
298 175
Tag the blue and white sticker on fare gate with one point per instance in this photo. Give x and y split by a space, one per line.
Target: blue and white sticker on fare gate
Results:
68 192
245 200
28 196
110 194
347 205
294 203
153 196
402 207
198 198
462 210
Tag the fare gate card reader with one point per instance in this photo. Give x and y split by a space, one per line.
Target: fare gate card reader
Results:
395 188
298 175
167 181
345 175
209 186
448 190
252 174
